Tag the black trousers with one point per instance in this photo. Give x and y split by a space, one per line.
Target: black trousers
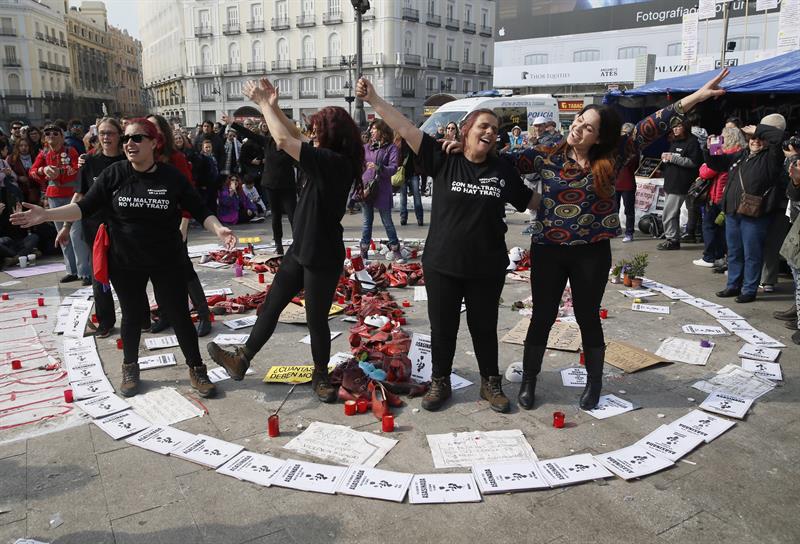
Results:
481 297
194 288
281 201
628 198
171 293
320 285
586 267
694 221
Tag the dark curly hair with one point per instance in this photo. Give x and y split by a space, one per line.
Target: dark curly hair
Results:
335 130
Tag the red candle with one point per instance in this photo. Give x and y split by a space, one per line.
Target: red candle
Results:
350 408
34 313
387 423
358 263
413 253
603 313
94 318
406 304
361 404
558 420
5 296
68 395
261 278
372 245
119 343
16 364
583 359
40 301
273 426
401 320
349 252
340 299
211 317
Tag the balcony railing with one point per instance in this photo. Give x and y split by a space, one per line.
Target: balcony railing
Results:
11 62
255 26
208 98
328 62
40 36
407 93
234 97
411 59
468 28
334 93
484 69
486 31
451 24
235 68
306 20
451 65
281 65
309 94
433 20
279 23
13 93
7 31
468 67
203 31
256 67
434 63
411 14
332 18
306 64
203 70
231 29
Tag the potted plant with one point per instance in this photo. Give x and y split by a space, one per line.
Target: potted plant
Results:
626 273
638 265
616 271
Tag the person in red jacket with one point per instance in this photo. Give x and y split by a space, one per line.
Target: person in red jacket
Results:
56 168
714 234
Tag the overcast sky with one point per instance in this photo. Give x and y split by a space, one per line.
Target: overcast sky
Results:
122 14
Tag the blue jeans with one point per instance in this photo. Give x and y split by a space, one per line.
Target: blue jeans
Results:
746 237
713 234
413 184
367 215
76 253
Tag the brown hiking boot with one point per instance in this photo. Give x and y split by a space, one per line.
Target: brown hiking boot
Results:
323 388
439 392
198 376
236 362
130 379
492 391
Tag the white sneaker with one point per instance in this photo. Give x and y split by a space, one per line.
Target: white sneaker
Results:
767 288
704 264
628 238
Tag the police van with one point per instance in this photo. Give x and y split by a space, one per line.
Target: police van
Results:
518 110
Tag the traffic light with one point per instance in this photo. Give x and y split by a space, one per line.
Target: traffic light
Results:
362 6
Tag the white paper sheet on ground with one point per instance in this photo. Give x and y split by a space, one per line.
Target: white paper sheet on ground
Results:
307 338
453 450
508 477
705 330
701 303
633 462
574 377
86 370
572 470
157 361
217 374
760 339
207 451
674 294
252 467
161 342
374 483
86 389
337 359
340 444
103 405
723 313
610 406
214 264
62 315
9 283
79 314
309 476
727 405
87 343
217 292
37 270
457 382
638 293
759 353
164 406
736 381
231 339
122 424
762 369
443 488
702 424
670 443
420 355
241 322
735 325
364 279
161 439
650 308
680 350
420 293
202 249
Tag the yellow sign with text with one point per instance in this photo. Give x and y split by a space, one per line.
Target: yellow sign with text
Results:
289 374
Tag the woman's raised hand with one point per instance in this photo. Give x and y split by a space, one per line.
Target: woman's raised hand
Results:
34 216
712 89
261 92
364 90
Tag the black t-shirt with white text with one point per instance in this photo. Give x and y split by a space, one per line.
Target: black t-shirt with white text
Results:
317 229
143 211
467 233
90 170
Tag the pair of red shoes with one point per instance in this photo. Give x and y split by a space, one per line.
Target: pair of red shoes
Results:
381 400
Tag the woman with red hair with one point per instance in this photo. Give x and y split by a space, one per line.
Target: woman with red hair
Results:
142 199
314 260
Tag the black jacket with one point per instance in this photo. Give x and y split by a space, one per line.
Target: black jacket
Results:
762 173
251 150
684 167
278 172
217 145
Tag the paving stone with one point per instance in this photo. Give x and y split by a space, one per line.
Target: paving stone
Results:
13 489
60 461
167 524
10 532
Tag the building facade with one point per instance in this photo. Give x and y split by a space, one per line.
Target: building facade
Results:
126 73
90 52
35 70
412 50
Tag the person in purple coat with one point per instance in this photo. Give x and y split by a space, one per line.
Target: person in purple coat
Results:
381 159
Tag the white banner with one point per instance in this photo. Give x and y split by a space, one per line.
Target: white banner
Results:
789 26
689 37
608 71
764 5
706 9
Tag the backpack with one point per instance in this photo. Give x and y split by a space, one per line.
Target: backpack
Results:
652 224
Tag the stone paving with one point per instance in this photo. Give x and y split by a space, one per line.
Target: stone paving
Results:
742 487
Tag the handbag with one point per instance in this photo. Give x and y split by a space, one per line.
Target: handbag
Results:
366 190
399 177
100 255
699 189
749 205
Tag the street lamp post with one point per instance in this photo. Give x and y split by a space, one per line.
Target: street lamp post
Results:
348 63
361 7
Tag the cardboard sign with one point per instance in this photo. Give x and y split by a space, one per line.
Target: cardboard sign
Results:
517 334
648 167
293 314
289 374
564 337
630 358
420 355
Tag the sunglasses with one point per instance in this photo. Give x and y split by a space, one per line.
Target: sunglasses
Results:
137 138
450 128
52 132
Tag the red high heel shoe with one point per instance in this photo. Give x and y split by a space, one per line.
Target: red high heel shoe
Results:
380 406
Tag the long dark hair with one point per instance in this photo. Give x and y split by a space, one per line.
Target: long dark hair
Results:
336 130
167 139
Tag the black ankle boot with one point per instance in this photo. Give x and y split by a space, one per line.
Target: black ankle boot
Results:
531 365
595 359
